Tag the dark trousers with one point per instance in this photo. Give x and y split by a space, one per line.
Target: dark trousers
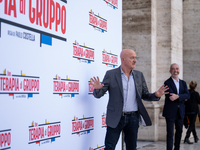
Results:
192 119
129 124
178 122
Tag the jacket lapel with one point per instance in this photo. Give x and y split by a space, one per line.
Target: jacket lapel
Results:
135 78
119 80
174 86
180 86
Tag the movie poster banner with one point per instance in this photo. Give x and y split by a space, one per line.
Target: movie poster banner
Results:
49 51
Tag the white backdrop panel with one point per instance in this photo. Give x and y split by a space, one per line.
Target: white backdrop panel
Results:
45 102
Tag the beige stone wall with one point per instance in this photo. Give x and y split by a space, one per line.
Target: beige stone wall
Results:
191 42
136 29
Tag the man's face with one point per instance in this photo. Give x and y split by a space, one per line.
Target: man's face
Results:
174 70
130 59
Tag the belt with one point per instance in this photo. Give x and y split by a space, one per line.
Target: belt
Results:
129 113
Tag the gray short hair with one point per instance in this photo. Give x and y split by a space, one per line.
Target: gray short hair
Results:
172 65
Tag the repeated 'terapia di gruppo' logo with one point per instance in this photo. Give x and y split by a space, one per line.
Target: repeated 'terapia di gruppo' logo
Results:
5 139
19 86
112 3
44 133
45 14
65 87
90 88
97 22
83 52
83 125
98 148
109 59
104 120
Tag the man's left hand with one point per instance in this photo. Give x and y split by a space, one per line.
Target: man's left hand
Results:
173 96
161 91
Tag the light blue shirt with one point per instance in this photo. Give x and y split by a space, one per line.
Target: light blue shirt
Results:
130 102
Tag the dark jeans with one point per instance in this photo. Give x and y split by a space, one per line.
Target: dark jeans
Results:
129 124
192 119
178 122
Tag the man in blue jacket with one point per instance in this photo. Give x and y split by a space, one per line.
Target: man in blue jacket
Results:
174 108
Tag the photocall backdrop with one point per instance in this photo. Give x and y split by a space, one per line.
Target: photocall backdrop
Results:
49 50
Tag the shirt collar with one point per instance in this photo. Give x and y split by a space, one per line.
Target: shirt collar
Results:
175 80
122 72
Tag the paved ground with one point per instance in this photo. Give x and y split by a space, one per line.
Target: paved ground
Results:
161 145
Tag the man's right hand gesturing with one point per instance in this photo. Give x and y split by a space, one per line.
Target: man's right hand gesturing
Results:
96 83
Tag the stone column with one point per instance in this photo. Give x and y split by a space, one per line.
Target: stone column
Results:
169 46
191 42
169 37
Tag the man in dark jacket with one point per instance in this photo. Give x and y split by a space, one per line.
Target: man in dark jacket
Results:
174 108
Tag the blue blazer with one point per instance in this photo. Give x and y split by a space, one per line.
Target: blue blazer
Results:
113 84
171 107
